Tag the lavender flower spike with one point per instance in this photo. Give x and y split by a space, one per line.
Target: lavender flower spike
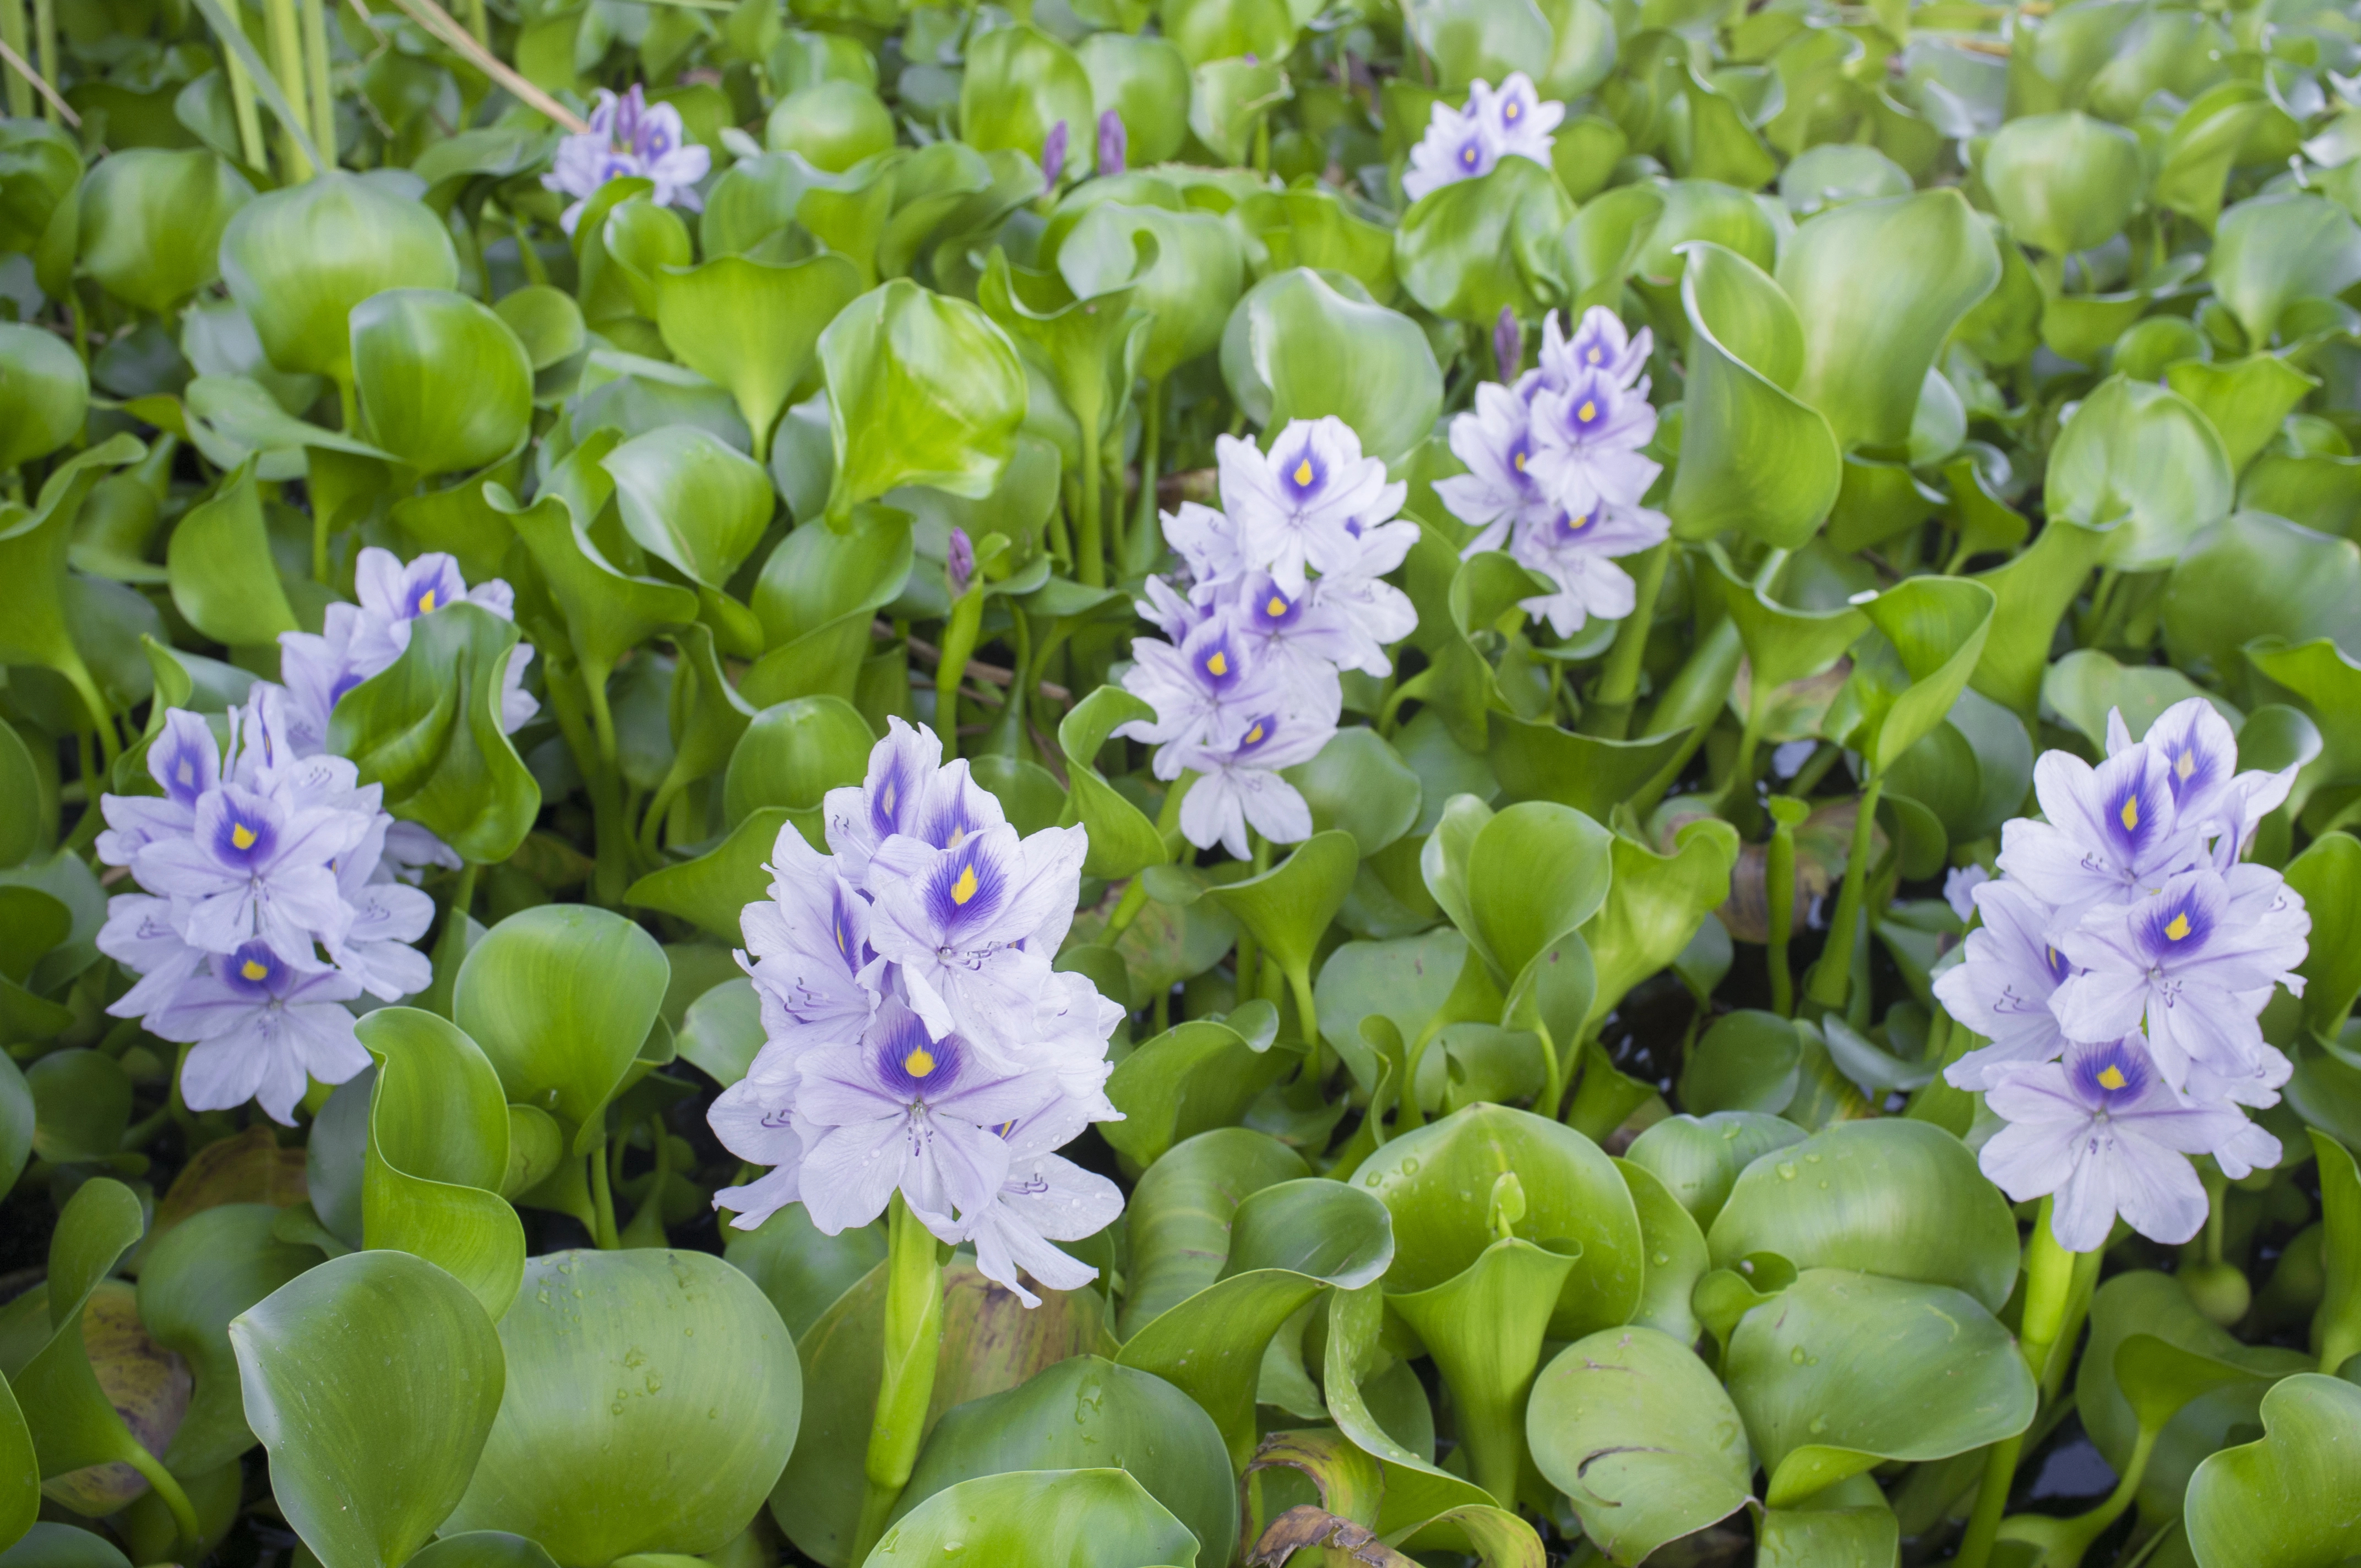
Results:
1114 143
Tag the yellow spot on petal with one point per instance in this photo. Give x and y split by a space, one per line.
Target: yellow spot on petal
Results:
241 835
1577 524
1508 113
1597 357
1303 472
1254 736
964 889
842 944
2113 1077
918 1063
2178 929
426 602
1588 411
1219 665
1520 461
2130 813
959 837
253 970
2185 764
1275 607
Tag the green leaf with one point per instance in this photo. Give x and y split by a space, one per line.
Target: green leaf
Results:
793 753
2146 457
2031 593
16 1124
1193 1077
754 327
606 612
194 1280
691 500
1357 1367
428 727
1091 1413
2272 250
1890 1195
1754 456
298 260
2258 1504
1540 761
1655 904
1638 1434
1470 249
224 581
1190 290
1849 1525
1699 1159
1287 906
1939 626
373 1380
1019 84
713 890
1297 348
1181 1211
2064 182
2246 398
444 384
652 1398
1878 286
151 223
2257 575
1483 1328
1747 1062
72 1419
1041 1519
1229 101
1287 1243
802 1271
1844 1371
1536 871
1437 1182
438 1153
1677 1255
923 389
44 393
817 597
2086 684
561 998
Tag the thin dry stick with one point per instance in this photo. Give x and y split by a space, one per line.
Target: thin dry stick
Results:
17 63
438 21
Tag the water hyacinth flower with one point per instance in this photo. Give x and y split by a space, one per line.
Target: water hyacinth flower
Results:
1578 553
1206 691
2123 960
1586 441
629 138
1499 489
1241 785
1053 156
2104 1134
1114 143
1466 142
915 1040
1301 508
258 1028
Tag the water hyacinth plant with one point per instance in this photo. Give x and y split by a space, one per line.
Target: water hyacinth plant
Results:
1134 784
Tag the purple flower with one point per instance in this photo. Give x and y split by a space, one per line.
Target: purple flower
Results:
907 791
1960 884
1114 143
971 927
1461 144
1053 156
2104 1134
1206 691
2112 835
629 138
959 562
1302 506
1519 120
1508 343
1241 784
1042 1199
1599 346
258 1028
810 949
2002 987
2196 960
1495 440
387 916
1587 444
1577 554
185 762
255 868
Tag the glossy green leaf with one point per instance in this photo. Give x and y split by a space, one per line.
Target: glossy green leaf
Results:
222 575
1180 1214
2246 400
2328 875
373 1381
1655 904
1844 1371
561 998
192 1282
2256 575
1088 1413
1939 626
1484 1327
652 1398
298 260
1470 249
44 393
2273 250
1357 1368
922 389
1753 454
754 326
2260 1503
1639 1435
1677 1255
1019 85
1892 1196
1876 306
2030 592
1297 348
444 384
151 223
1437 1181
606 611
802 1271
72 1420
2064 182
691 500
817 594
438 1153
2143 457
1189 292
1194 1076
836 125
1042 1518
1287 906
428 727
1746 1063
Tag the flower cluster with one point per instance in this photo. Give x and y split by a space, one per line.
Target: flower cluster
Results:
1245 680
629 140
917 1038
1463 143
276 888
2124 958
1555 471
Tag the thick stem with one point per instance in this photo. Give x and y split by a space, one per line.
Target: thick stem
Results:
1779 890
287 64
1832 976
602 1203
244 109
1090 531
184 1517
45 39
1147 532
2049 1279
959 643
316 78
1126 910
1610 713
14 34
1307 1015
914 1334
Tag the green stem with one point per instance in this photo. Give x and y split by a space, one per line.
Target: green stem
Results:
316 78
1552 1071
1090 531
1126 910
287 64
102 718
959 643
1831 979
45 39
14 34
1779 890
2049 1283
602 1201
185 1518
1147 532
1307 1015
914 1334
1610 713
243 107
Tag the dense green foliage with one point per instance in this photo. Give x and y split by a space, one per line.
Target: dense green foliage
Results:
1541 1152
